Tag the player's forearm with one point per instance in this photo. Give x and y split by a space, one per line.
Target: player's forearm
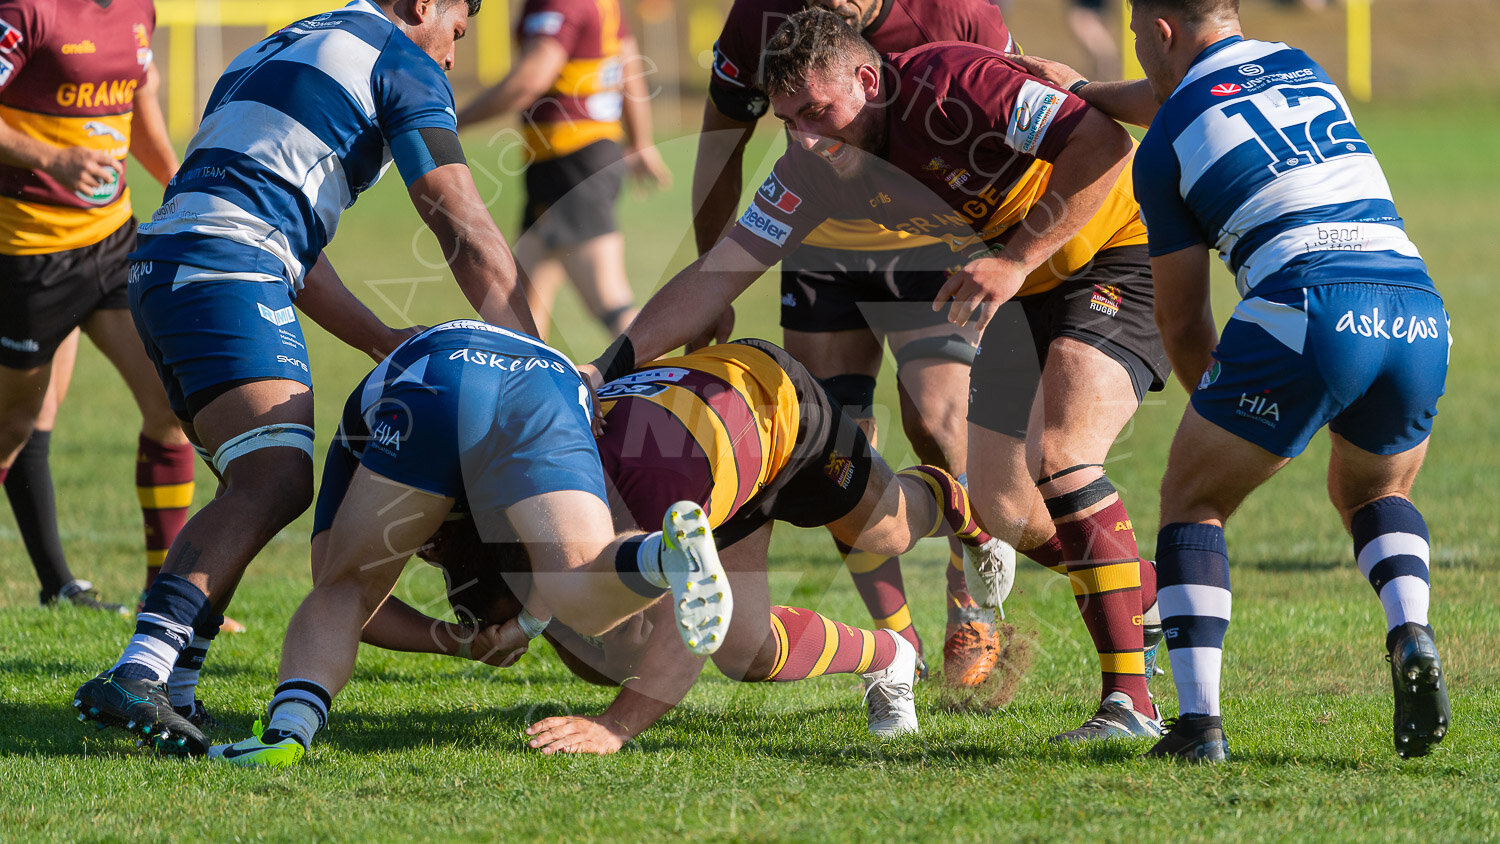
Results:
397 626
1130 101
149 141
636 114
1082 177
331 305
690 304
717 176
511 94
20 150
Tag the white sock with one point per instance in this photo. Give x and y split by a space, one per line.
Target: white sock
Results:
648 559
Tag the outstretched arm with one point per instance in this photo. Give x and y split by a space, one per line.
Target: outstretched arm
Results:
476 252
664 672
641 156
686 306
1083 174
533 73
326 301
717 175
1129 101
149 142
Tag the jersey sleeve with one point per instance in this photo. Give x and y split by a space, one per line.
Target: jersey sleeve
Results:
984 25
1037 118
732 84
1170 225
783 210
563 20
20 32
411 92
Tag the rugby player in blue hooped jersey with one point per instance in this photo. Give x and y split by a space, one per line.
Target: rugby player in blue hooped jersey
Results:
296 128
1252 152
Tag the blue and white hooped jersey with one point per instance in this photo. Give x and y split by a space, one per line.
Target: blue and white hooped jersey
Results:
296 128
1256 155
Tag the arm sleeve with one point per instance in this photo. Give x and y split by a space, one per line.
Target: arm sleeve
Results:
20 30
1037 118
561 20
783 210
411 93
733 86
1170 225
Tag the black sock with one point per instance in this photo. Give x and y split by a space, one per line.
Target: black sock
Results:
29 488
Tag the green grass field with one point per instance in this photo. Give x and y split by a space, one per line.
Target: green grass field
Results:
427 748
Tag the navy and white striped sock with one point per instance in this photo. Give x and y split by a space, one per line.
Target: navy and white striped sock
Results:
1192 580
163 629
299 709
1391 546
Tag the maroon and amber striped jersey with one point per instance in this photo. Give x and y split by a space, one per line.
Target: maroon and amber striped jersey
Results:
736 406
584 104
68 74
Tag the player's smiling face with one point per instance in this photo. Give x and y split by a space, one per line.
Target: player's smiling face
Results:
833 116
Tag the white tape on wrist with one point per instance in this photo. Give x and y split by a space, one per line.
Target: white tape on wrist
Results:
531 625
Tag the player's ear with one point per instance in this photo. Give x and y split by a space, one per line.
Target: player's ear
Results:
869 80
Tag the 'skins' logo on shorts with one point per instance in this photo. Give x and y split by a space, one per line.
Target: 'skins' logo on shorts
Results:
281 316
1105 299
840 470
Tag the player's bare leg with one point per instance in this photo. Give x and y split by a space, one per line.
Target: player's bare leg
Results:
597 268
847 363
261 436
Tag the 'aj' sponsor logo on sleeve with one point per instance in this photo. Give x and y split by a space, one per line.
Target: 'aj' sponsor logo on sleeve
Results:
774 192
10 37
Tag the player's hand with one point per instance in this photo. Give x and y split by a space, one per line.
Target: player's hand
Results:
83 169
648 170
575 734
395 337
974 293
1056 73
499 645
594 379
719 333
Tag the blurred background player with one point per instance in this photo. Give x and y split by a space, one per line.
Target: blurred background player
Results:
496 423
1340 325
1086 22
852 286
580 90
297 127
68 117
1046 217
746 429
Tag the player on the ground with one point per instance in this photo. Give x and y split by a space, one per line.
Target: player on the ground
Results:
297 127
1253 152
744 428
852 286
1034 187
469 415
68 117
578 84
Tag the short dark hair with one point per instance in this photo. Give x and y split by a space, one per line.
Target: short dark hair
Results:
811 40
1194 11
473 5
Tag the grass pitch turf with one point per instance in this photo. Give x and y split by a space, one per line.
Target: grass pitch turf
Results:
428 748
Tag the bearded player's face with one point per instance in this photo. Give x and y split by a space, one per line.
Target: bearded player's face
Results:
833 117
